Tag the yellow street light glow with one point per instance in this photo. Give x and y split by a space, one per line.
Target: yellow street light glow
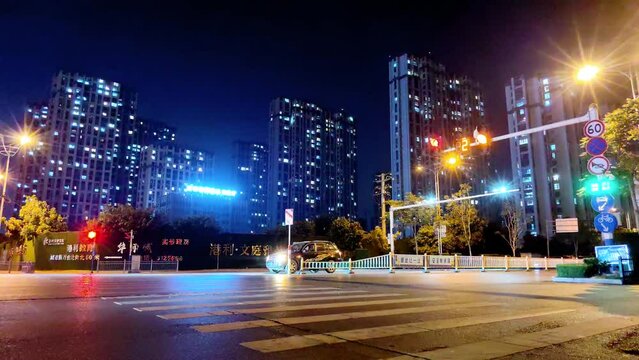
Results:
587 73
419 168
482 139
25 139
452 160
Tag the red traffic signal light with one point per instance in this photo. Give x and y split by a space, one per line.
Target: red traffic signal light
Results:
435 142
92 235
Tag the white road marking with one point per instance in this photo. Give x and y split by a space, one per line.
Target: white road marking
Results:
216 292
294 308
517 343
260 302
274 293
304 341
334 317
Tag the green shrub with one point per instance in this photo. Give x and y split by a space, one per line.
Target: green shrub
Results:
595 267
572 270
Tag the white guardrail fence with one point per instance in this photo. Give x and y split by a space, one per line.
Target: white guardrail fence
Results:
124 266
439 262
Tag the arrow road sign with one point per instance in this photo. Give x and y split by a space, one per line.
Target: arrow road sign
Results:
602 203
598 165
594 128
605 222
596 146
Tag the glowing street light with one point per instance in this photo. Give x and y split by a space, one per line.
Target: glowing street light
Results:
452 160
9 149
587 73
25 139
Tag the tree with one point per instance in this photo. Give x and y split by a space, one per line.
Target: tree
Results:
35 218
622 135
120 219
513 221
375 242
414 218
462 219
346 234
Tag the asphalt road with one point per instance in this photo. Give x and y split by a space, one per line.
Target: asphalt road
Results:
440 315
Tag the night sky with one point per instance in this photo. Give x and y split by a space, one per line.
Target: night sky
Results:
211 69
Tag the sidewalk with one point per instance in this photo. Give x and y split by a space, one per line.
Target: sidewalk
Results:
110 272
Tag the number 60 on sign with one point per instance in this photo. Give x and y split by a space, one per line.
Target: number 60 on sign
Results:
594 128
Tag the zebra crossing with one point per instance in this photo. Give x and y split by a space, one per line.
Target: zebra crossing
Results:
316 317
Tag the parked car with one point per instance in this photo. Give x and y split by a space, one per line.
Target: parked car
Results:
314 250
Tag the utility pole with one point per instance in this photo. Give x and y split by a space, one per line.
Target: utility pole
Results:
383 178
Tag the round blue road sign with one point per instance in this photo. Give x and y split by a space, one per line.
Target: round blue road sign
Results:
602 203
596 146
605 222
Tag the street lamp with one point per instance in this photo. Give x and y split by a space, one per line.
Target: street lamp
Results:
8 148
588 73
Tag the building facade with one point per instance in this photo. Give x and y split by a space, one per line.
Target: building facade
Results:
76 162
312 161
168 168
251 179
137 134
427 102
546 165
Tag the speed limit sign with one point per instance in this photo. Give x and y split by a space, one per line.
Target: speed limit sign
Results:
594 128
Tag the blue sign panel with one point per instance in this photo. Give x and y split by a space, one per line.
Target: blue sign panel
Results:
602 203
605 222
596 146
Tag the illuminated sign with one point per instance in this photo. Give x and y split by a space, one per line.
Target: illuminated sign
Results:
48 241
209 190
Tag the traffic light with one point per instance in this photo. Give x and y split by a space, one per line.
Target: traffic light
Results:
435 143
92 235
482 138
600 185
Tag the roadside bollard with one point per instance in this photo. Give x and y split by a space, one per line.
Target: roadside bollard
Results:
527 263
546 263
302 266
350 266
426 263
506 263
483 263
456 263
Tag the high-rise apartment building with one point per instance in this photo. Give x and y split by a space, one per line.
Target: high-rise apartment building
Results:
251 179
545 165
136 135
428 102
168 168
75 165
312 161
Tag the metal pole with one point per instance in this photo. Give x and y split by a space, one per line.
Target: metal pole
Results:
4 185
438 228
288 252
383 202
130 245
391 241
93 258
547 239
